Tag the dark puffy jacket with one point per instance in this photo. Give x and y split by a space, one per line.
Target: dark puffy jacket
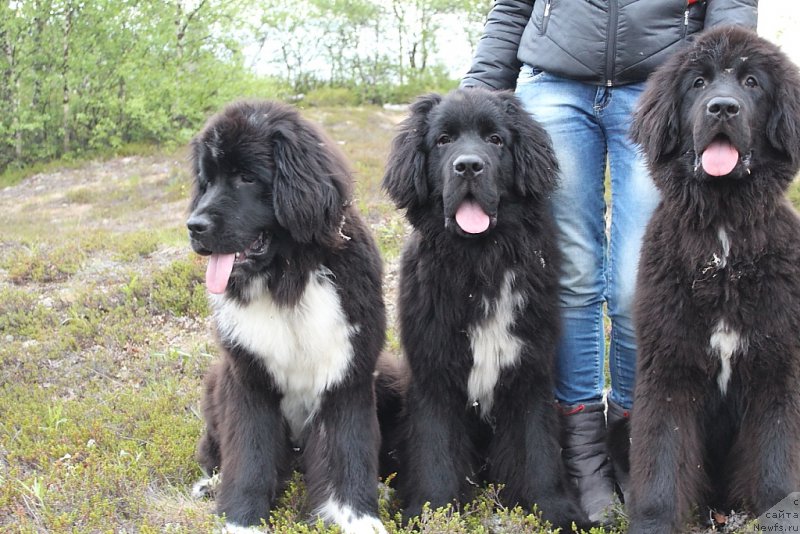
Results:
603 42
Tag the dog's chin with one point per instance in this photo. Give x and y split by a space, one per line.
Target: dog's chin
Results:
200 249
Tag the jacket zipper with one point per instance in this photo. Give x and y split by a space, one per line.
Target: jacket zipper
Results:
685 22
611 45
546 16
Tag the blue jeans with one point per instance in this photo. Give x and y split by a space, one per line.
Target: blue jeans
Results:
589 126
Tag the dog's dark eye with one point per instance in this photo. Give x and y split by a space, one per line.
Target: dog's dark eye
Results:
751 82
443 139
202 182
699 83
246 178
496 140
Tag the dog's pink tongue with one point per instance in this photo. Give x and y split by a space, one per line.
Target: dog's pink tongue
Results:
720 158
218 271
471 218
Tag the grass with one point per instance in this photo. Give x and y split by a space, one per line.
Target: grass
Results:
105 337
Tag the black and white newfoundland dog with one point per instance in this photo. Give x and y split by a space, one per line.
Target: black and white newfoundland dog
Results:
478 306
717 406
295 288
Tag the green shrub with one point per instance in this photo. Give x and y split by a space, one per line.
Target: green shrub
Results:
42 263
332 96
179 289
23 315
794 193
434 80
136 244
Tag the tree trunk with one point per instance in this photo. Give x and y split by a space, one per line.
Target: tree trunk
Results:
70 12
10 89
15 126
399 15
122 123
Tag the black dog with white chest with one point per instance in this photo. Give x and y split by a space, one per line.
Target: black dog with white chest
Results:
295 283
717 405
478 304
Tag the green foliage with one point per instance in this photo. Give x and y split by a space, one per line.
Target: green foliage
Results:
42 263
391 236
332 96
179 289
387 90
74 473
23 314
78 79
138 243
83 77
433 80
82 195
794 194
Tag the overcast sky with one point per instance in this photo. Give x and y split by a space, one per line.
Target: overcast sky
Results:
779 21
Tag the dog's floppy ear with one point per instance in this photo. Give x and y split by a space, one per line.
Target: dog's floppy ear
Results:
406 179
535 162
195 159
656 122
309 187
783 124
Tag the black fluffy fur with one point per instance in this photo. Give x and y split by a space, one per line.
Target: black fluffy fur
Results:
262 170
694 445
450 283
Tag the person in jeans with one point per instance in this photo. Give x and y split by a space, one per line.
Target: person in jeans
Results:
578 67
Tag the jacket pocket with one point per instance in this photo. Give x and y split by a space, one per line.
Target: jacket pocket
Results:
528 74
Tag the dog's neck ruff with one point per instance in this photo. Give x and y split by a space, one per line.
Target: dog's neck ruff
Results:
493 345
306 348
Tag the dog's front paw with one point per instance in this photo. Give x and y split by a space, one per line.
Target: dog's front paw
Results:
206 487
233 528
350 521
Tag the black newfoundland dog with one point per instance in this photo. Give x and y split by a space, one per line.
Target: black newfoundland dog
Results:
295 283
717 418
477 305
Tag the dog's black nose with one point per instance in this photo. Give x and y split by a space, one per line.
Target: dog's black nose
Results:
722 107
468 165
198 224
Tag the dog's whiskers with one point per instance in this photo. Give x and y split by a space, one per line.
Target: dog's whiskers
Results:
746 160
341 230
697 162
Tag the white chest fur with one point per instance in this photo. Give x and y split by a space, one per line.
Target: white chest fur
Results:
724 343
306 348
493 345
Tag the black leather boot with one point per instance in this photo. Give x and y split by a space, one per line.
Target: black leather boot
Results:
619 445
585 454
